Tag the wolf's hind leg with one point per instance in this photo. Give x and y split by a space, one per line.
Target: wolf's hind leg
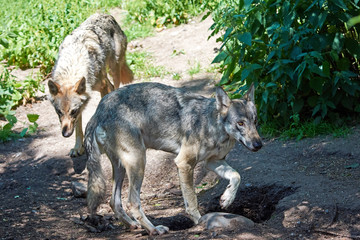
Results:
115 202
107 86
97 181
134 162
79 136
121 73
221 168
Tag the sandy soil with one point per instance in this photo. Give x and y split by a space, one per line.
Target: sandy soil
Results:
306 189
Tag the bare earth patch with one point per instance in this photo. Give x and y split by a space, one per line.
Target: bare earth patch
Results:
306 189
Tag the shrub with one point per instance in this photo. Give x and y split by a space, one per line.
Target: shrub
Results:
33 30
13 92
300 54
160 13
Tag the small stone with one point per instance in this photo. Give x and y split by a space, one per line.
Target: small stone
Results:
225 221
79 189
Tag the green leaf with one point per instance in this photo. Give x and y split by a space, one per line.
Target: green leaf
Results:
7 127
227 32
343 64
352 166
271 84
11 119
326 68
23 132
347 103
338 42
316 109
272 28
265 96
295 53
316 83
340 4
220 57
247 4
298 105
245 38
353 21
32 117
33 128
312 101
357 108
331 104
271 54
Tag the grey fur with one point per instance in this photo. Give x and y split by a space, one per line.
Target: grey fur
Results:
85 55
153 115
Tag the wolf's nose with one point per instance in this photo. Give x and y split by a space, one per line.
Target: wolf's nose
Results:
65 132
257 145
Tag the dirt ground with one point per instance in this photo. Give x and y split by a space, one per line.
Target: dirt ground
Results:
308 189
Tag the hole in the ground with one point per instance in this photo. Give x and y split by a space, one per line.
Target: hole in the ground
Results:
174 223
255 203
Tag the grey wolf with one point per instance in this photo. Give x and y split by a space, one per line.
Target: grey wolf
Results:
84 56
151 115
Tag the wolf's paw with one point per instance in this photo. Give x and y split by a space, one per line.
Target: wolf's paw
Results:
159 230
97 223
134 225
194 216
227 199
77 151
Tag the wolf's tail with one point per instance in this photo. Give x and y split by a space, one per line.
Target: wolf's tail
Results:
97 181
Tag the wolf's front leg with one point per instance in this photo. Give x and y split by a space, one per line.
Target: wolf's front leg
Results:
221 168
186 177
79 136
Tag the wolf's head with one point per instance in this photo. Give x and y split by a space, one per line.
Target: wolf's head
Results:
239 118
68 101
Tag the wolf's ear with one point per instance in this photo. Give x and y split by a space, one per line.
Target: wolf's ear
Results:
250 94
222 101
80 86
54 88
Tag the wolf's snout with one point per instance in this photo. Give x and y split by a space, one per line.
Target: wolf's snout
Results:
66 131
257 145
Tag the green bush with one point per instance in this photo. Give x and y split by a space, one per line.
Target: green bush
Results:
160 13
12 92
300 54
32 30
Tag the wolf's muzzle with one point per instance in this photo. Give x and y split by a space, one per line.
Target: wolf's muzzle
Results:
257 145
66 132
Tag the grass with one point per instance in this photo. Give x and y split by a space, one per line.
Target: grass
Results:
305 130
32 30
194 68
135 30
142 66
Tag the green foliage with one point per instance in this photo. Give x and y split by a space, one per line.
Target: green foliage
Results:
160 13
142 67
195 68
135 30
32 30
300 54
13 92
30 34
7 133
299 130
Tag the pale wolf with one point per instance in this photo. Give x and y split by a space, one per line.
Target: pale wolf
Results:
85 55
151 115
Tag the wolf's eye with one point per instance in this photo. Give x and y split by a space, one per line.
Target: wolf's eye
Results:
58 111
241 123
73 112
